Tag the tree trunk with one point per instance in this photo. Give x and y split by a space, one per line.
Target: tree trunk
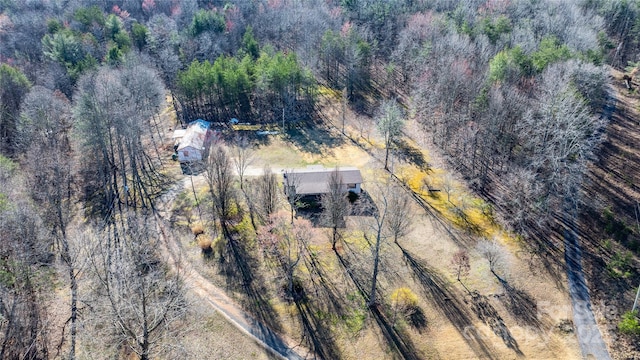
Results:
144 354
386 157
335 237
376 260
74 313
73 285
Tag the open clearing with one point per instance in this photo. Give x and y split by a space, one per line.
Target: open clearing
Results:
482 321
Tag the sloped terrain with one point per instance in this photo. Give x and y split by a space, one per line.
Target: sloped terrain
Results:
609 220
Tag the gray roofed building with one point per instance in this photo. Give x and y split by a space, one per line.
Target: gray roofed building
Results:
314 180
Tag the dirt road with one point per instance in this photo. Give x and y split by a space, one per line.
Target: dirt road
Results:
587 331
589 336
278 345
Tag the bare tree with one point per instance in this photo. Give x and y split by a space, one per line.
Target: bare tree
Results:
559 136
113 113
335 206
460 263
493 252
243 157
419 30
363 124
139 299
291 184
220 178
24 272
287 242
377 225
14 85
390 124
391 219
162 44
44 129
515 199
448 185
400 218
265 194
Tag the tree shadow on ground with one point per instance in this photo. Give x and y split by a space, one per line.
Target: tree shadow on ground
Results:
447 301
410 154
364 105
310 207
312 139
463 221
398 341
544 246
436 217
364 206
193 168
323 288
521 305
241 273
320 299
316 332
230 136
417 320
489 315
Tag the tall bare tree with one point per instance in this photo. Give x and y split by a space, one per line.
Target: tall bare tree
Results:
335 206
390 124
113 112
265 194
559 136
493 252
24 271
287 242
243 157
381 223
373 222
139 298
460 264
219 174
291 184
44 127
400 219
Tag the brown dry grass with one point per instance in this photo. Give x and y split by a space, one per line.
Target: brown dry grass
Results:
211 336
432 242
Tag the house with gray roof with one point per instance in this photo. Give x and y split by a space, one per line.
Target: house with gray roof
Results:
314 180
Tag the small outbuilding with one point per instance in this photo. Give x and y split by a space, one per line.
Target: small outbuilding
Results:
314 180
194 143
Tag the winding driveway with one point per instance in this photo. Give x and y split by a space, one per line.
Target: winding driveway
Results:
589 336
276 344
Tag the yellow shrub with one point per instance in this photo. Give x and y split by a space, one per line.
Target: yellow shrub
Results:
403 298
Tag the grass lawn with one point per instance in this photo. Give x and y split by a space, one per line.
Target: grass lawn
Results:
481 320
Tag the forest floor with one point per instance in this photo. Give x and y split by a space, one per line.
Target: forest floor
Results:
521 314
608 224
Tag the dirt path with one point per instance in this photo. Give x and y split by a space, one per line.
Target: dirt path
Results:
589 337
278 345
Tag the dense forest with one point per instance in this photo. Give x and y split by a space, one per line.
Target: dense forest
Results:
509 93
